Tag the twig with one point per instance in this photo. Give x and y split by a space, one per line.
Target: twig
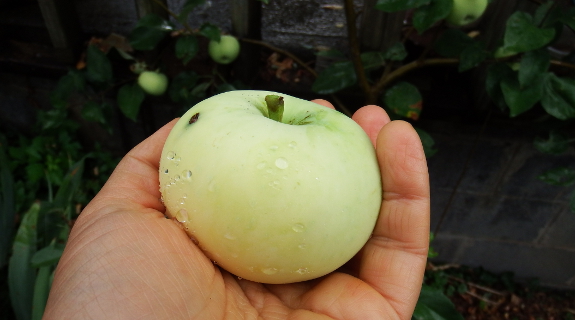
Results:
481 298
480 287
174 15
355 52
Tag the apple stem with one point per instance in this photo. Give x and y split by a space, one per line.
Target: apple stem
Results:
275 107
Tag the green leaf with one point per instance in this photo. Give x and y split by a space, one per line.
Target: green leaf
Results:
210 31
397 52
472 56
336 77
522 35
399 5
533 66
130 98
495 74
541 13
404 99
372 60
452 42
92 111
199 91
149 31
434 305
426 16
21 275
555 144
35 172
47 256
520 99
98 66
188 6
559 97
181 87
73 81
7 205
427 142
186 48
41 291
331 53
561 176
70 185
568 18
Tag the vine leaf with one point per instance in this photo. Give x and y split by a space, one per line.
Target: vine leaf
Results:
533 66
338 76
149 31
404 99
210 31
555 144
187 8
433 304
560 176
520 99
522 35
426 16
98 66
130 98
559 97
186 48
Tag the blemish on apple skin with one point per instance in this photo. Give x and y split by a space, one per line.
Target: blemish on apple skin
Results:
194 118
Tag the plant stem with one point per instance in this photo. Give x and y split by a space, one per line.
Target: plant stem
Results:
174 15
284 52
275 105
355 52
401 71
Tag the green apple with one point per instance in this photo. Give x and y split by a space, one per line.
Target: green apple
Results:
465 12
224 51
154 83
272 188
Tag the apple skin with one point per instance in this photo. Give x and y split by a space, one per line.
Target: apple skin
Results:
225 51
465 12
154 83
268 201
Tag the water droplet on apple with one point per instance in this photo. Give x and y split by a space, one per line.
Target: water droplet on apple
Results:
240 278
230 236
182 201
274 183
187 174
270 271
298 227
302 246
281 163
177 161
166 171
185 195
302 270
261 165
212 186
234 255
171 155
182 215
177 177
292 144
273 148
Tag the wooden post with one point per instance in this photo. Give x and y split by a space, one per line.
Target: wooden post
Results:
62 23
246 23
379 30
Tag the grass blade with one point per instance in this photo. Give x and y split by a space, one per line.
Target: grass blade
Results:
21 275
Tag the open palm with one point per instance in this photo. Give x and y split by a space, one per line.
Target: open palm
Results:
125 260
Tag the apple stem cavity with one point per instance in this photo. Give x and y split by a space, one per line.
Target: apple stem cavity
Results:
275 107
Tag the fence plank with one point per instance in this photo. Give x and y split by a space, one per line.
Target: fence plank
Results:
145 7
62 23
379 30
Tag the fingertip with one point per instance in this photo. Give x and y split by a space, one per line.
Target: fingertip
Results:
371 118
324 103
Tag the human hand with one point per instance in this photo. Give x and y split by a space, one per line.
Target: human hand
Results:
125 260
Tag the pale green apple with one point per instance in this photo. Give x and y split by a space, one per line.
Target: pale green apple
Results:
271 201
224 51
465 12
152 82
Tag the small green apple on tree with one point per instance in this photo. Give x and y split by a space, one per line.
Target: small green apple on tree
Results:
465 12
224 51
272 188
153 83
